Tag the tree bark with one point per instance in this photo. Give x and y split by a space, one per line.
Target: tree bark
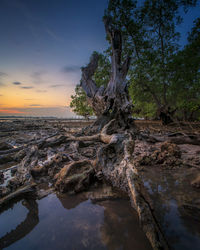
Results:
112 102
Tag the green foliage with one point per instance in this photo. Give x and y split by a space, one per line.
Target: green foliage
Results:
150 37
79 103
186 76
102 74
144 107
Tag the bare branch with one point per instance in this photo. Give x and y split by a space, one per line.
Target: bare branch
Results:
87 83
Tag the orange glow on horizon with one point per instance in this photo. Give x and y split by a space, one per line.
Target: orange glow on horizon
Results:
11 111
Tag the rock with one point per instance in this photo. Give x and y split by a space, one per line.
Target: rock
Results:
75 177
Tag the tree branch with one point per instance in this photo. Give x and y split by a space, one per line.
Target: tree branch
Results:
87 83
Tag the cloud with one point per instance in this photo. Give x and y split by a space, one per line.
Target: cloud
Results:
27 87
2 84
28 99
17 83
41 91
35 105
71 69
37 76
56 85
1 95
3 74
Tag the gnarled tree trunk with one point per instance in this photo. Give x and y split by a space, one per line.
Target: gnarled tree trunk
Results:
114 159
112 102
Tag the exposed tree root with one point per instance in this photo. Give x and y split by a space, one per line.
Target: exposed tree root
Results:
19 192
115 161
72 163
75 177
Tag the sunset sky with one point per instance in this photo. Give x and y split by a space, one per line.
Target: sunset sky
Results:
43 44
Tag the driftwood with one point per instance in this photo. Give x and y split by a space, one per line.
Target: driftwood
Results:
12 150
19 192
42 143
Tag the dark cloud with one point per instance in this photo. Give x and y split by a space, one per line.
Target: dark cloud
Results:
71 69
56 85
41 91
17 83
37 76
35 105
27 87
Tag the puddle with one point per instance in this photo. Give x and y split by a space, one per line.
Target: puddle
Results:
70 222
176 205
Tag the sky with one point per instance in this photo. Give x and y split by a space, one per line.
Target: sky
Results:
43 44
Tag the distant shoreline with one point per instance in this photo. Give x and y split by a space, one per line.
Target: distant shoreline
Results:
43 117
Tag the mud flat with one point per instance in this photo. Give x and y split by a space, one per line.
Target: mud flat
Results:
41 160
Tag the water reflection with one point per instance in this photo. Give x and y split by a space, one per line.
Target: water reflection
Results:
24 228
120 227
177 206
73 222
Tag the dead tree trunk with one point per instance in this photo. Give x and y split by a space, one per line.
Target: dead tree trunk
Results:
114 158
113 101
113 155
